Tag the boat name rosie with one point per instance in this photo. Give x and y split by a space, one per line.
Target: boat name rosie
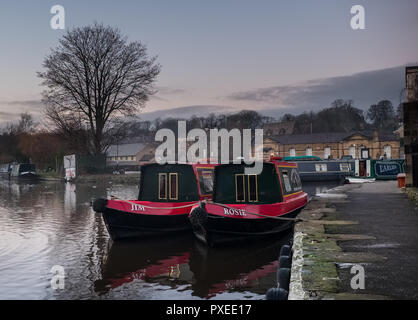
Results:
234 212
137 207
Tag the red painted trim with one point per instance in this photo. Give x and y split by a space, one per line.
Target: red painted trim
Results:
135 206
243 211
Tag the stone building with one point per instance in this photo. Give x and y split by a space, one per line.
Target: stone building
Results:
334 145
129 154
410 115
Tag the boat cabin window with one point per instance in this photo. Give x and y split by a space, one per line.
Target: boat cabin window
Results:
252 188
173 186
240 187
205 177
286 181
321 167
345 167
162 186
290 180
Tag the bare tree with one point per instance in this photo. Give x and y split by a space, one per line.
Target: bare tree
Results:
94 78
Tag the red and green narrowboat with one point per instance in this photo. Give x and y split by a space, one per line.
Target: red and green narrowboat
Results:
249 206
166 195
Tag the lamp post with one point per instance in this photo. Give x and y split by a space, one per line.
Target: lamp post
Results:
117 156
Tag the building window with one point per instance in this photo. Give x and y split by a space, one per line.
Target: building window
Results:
292 152
352 152
327 152
387 152
308 151
363 152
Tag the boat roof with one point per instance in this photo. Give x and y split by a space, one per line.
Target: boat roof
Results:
280 163
193 164
299 158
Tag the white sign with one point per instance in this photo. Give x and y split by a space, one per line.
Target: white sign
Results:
70 167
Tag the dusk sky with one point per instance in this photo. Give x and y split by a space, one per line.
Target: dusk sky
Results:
238 54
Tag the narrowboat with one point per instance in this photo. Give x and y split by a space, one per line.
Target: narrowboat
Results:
166 195
24 171
315 169
249 206
370 169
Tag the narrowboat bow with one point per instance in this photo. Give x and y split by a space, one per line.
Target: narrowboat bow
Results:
167 194
369 170
249 206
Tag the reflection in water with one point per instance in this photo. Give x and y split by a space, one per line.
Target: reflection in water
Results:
51 223
162 261
313 188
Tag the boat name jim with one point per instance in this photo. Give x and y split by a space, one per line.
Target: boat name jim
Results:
137 207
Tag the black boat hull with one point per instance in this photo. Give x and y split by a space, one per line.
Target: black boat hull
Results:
125 225
26 176
311 177
216 230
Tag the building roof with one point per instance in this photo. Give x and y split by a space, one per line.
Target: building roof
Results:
330 137
127 149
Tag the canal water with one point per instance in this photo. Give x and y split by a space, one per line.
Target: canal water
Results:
50 227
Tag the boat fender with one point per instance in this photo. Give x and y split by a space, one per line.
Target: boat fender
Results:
285 262
276 294
198 215
283 278
285 250
99 205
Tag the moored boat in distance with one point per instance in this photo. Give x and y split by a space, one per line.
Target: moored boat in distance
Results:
371 170
248 207
314 169
24 171
166 195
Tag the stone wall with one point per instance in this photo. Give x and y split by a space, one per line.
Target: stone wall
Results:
410 111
